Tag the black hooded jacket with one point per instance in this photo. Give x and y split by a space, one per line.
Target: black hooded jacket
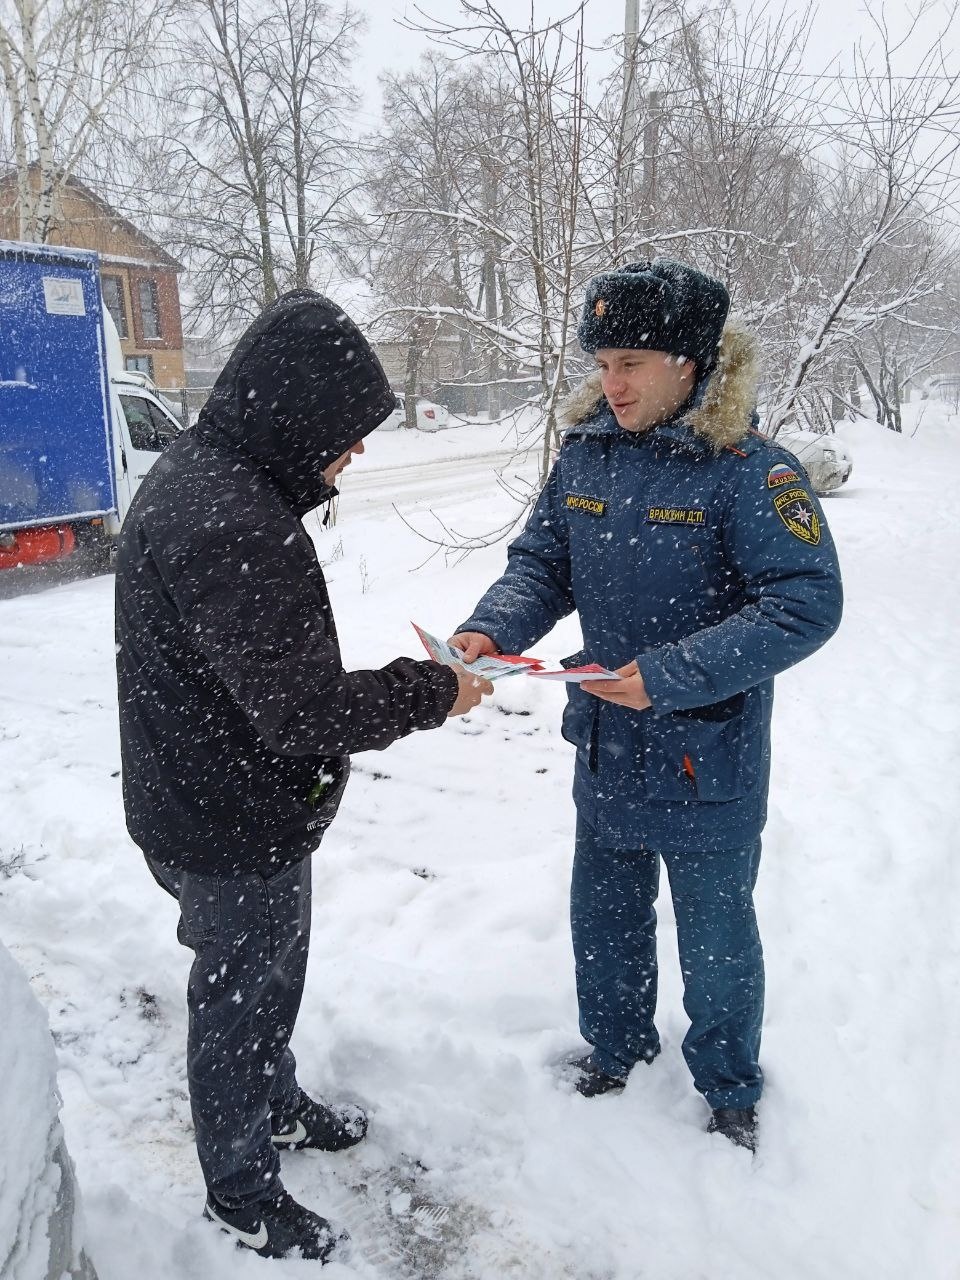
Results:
237 718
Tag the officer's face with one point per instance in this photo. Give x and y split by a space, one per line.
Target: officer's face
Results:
643 387
330 473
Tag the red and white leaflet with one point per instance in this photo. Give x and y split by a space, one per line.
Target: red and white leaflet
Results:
506 664
577 675
509 664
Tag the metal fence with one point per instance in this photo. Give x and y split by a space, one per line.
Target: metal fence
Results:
949 389
185 402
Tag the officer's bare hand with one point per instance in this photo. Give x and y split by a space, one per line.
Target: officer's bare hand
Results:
473 645
628 691
472 689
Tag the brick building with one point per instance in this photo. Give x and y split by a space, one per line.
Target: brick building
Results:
139 280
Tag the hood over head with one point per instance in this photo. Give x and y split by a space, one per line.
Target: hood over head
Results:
301 387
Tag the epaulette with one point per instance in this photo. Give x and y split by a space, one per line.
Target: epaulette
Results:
749 443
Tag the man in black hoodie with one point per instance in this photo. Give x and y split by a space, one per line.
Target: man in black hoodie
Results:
237 721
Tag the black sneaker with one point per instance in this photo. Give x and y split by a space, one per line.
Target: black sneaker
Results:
739 1124
318 1125
591 1081
277 1228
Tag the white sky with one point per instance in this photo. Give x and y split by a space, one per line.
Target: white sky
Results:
834 29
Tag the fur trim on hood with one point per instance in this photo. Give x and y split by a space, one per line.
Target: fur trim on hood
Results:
724 414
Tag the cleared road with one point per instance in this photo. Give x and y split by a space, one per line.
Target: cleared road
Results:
431 485
365 491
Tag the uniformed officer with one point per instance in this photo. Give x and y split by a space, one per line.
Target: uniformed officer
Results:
700 564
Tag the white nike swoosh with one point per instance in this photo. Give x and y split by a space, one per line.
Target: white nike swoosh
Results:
295 1135
258 1241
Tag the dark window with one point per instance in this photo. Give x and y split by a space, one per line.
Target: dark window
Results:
149 428
112 289
149 309
167 431
139 423
139 364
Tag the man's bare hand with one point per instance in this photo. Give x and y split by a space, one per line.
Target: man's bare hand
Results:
474 645
472 689
628 691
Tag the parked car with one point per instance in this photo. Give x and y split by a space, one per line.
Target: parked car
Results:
826 461
430 416
41 1223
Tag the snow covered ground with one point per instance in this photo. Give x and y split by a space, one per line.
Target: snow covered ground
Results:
441 987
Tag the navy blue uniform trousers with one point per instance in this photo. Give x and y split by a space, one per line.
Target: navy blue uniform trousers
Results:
250 937
614 941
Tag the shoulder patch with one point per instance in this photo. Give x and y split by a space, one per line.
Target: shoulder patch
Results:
782 473
795 508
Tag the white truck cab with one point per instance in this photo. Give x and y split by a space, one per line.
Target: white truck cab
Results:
143 424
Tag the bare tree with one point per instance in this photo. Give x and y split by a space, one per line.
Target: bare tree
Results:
513 202
265 160
425 161
897 355
824 212
71 70
891 194
729 187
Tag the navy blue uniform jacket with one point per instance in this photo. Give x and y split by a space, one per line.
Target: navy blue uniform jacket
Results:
698 549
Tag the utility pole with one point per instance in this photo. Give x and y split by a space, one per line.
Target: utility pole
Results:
490 296
631 38
651 148
640 197
624 210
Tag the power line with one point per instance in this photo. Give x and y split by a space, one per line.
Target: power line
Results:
872 75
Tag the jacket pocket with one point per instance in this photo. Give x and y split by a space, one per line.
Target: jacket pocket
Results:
327 791
199 908
287 895
707 753
579 724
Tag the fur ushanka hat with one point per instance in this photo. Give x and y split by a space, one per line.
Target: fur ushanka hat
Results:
661 305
